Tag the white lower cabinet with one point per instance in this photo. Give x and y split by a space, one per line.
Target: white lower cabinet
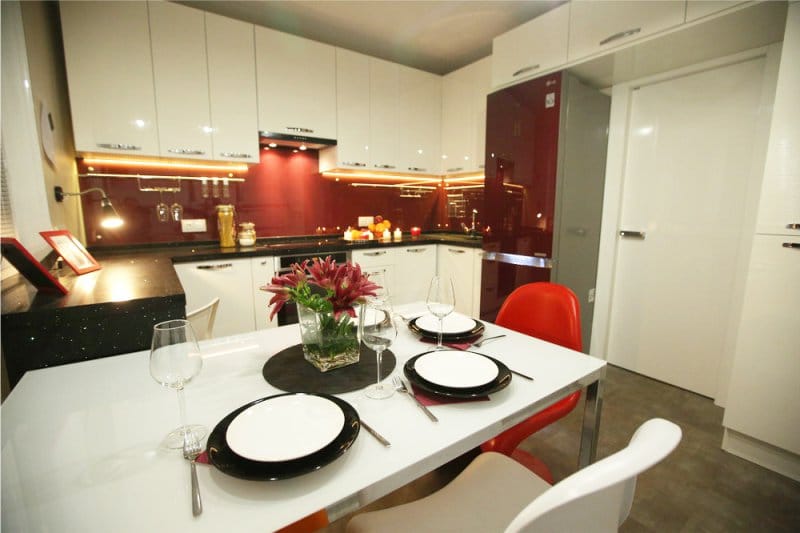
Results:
379 264
229 279
414 268
764 399
463 265
263 270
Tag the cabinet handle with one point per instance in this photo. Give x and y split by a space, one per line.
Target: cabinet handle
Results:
415 250
220 266
186 151
235 154
374 254
384 166
354 164
300 130
456 251
264 262
417 169
792 226
525 69
455 169
116 146
791 245
632 234
620 35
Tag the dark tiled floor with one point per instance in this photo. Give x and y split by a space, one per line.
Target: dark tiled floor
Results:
699 488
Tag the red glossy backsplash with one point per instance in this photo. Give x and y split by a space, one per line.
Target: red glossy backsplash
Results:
284 195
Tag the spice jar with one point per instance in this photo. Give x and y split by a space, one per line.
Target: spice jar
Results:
247 234
225 214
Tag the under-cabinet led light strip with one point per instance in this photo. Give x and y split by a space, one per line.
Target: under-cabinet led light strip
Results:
158 177
164 164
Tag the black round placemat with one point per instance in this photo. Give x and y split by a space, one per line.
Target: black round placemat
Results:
288 371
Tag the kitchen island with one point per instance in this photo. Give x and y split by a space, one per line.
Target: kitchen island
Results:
112 311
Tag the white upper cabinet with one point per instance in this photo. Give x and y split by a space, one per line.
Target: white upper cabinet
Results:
537 46
352 111
110 76
464 117
419 121
595 27
180 70
383 119
232 88
296 85
696 9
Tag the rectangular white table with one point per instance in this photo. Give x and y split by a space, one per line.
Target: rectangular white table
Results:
80 442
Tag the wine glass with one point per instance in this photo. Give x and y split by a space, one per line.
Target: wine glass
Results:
174 360
378 333
441 302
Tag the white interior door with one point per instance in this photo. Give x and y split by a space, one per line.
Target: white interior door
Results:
689 151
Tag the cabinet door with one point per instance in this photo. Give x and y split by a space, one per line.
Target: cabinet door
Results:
595 27
419 121
414 268
110 77
263 269
383 117
457 263
232 88
180 70
352 109
535 47
696 9
379 264
296 85
231 281
764 398
464 117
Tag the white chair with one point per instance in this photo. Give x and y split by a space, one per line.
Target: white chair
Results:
202 319
495 493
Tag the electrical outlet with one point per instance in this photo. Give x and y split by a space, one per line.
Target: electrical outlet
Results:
363 222
590 296
193 225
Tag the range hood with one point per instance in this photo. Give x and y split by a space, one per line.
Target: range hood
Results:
294 141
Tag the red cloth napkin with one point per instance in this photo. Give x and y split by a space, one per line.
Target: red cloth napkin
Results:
463 345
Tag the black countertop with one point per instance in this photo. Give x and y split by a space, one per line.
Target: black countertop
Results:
146 272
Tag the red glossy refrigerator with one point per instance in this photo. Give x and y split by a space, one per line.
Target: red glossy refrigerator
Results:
546 145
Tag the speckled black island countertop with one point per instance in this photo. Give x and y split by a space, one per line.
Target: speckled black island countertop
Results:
112 311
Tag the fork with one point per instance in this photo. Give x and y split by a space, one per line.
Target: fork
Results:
400 386
484 340
191 450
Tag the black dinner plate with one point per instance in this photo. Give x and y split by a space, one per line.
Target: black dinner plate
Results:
226 460
499 383
446 337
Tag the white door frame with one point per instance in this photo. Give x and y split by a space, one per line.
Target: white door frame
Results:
612 198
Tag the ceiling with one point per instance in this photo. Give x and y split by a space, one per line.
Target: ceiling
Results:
436 36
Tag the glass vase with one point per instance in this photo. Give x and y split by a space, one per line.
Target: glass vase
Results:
328 343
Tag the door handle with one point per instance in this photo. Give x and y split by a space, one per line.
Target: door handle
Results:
632 234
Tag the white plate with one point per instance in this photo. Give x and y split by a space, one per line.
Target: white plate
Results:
454 323
285 427
456 369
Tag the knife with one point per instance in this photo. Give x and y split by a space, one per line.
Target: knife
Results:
375 434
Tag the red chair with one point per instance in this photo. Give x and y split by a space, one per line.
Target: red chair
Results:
550 312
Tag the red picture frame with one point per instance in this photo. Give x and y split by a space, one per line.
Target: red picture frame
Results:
29 267
71 250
